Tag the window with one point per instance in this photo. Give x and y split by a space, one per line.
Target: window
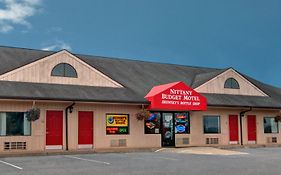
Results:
182 125
152 124
231 83
211 124
270 125
64 70
14 124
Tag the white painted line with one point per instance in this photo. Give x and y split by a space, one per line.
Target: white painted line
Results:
6 163
167 158
159 150
88 160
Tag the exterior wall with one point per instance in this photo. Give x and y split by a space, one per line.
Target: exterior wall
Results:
216 85
198 138
37 141
40 72
136 138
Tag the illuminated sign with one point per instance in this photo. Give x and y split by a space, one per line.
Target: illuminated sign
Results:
117 124
182 123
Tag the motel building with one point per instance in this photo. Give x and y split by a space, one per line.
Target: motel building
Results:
60 101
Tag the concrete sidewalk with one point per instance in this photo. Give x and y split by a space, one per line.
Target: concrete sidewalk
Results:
202 151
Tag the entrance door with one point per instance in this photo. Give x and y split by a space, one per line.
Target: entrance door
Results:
251 120
54 125
168 135
233 129
85 129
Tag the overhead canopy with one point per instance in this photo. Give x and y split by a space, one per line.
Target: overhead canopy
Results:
175 96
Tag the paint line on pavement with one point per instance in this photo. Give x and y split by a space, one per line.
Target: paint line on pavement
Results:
159 150
88 160
6 163
166 158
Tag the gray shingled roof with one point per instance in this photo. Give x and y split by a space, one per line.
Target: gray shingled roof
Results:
43 91
138 77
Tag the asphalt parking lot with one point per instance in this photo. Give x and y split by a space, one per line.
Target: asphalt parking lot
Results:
258 161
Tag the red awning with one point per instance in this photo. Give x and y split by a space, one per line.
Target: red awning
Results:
176 96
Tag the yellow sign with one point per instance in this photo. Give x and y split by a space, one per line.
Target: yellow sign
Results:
117 120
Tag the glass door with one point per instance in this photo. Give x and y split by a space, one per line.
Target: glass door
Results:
168 133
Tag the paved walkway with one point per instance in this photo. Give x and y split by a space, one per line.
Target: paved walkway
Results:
202 151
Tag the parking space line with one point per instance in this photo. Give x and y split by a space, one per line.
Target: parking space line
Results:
159 150
167 158
6 163
88 160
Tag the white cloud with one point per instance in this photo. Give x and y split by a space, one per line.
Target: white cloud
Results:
16 12
57 45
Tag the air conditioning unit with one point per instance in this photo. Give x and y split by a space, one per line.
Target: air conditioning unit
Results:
211 141
271 139
14 145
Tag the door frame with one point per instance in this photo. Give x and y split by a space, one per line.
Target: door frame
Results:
161 128
174 120
86 146
54 147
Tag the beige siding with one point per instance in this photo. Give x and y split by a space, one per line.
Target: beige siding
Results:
136 139
40 72
216 85
198 138
37 141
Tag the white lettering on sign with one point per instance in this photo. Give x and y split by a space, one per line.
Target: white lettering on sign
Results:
180 92
180 97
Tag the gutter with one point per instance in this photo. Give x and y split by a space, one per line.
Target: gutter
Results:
70 109
242 114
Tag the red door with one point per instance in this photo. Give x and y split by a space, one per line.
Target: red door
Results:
54 124
233 128
251 120
85 128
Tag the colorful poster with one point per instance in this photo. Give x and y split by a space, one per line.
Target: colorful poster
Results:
119 120
117 124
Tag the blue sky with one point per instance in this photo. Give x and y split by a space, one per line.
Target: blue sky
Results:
244 34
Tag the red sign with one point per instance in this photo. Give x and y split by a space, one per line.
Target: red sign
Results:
176 96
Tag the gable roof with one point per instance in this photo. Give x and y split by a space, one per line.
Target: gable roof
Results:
205 79
137 77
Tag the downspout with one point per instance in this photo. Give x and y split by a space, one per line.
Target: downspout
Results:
70 109
242 113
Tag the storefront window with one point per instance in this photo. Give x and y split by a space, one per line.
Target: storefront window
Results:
152 125
14 124
182 123
270 125
211 124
